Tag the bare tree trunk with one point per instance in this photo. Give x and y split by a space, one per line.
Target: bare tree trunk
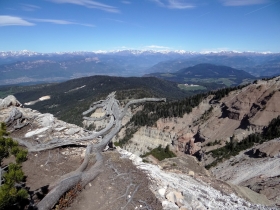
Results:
116 113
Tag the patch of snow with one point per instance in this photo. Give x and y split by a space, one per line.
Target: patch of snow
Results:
75 89
43 98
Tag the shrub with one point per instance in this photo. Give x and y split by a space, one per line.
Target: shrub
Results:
160 153
11 196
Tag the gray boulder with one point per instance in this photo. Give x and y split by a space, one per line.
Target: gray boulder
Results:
9 101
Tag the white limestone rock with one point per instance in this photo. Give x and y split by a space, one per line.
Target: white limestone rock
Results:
162 191
72 131
36 132
196 194
60 129
45 120
9 101
167 205
175 197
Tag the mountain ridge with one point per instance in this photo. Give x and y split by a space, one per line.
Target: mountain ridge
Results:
25 66
94 87
204 73
32 53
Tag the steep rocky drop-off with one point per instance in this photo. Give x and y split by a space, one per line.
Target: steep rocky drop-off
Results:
167 186
240 113
257 168
213 123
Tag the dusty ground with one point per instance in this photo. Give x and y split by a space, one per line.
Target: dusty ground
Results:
119 186
45 167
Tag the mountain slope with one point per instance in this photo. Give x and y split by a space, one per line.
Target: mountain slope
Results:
68 99
254 63
213 71
122 174
208 126
202 74
223 119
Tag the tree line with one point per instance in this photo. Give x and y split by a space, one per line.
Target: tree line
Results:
154 111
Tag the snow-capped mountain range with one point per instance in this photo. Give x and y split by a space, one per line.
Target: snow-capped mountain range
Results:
27 66
127 52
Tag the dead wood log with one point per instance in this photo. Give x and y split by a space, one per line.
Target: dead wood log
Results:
112 108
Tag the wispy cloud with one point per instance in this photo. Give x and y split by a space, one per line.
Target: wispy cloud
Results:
261 8
175 4
29 7
242 2
126 2
89 4
60 22
6 20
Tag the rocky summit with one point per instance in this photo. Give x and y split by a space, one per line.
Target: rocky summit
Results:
176 183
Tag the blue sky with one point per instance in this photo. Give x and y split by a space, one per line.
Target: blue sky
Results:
191 25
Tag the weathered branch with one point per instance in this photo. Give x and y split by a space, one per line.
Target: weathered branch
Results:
52 197
112 109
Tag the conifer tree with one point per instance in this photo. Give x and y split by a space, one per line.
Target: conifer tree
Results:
11 195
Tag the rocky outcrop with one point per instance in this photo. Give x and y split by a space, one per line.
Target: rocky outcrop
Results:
83 174
257 101
258 168
243 112
9 101
269 149
38 127
268 186
177 190
185 144
147 138
192 148
186 186
240 113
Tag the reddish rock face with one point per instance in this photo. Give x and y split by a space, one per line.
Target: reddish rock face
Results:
234 116
182 144
269 149
191 147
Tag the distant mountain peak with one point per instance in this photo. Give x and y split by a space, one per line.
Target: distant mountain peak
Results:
129 52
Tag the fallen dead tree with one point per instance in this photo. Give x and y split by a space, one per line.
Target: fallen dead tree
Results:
81 176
